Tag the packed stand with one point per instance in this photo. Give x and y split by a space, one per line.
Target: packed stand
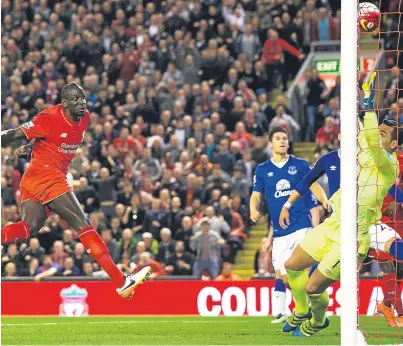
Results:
178 94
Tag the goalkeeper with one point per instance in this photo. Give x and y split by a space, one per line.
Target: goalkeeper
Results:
378 171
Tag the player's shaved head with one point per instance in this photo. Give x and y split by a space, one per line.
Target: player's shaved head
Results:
74 101
68 88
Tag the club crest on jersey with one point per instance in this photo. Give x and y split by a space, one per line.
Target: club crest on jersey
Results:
29 124
283 188
292 170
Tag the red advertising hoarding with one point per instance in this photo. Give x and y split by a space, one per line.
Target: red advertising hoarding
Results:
205 298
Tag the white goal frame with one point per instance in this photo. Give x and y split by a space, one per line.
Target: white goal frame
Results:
348 113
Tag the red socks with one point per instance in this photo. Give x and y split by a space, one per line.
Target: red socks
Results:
393 292
398 300
97 249
14 232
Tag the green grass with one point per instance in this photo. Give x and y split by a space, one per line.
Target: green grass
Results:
173 330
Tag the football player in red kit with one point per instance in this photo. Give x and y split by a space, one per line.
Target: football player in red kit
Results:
393 270
58 132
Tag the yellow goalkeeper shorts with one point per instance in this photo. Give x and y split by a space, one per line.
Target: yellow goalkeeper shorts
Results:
323 245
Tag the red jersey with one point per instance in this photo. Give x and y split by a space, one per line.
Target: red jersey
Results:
58 136
397 222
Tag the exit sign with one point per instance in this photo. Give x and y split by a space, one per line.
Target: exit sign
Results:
328 66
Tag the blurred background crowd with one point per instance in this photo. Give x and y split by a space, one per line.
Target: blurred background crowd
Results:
182 95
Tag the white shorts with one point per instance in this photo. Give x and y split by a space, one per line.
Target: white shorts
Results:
284 246
380 235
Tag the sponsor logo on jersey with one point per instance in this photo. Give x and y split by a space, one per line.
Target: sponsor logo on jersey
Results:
63 135
292 170
270 174
333 168
28 124
283 188
69 149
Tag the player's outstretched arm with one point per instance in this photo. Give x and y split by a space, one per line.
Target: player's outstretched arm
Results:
371 130
9 136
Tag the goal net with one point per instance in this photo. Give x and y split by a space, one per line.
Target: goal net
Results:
379 277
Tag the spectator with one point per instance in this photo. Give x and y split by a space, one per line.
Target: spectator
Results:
111 244
156 267
48 268
330 131
273 56
69 268
287 122
185 233
324 28
68 241
12 256
166 246
175 215
80 256
58 254
151 244
191 191
180 262
34 250
10 270
227 274
248 43
125 265
127 244
133 217
240 184
315 94
87 195
155 219
152 164
224 157
217 224
205 244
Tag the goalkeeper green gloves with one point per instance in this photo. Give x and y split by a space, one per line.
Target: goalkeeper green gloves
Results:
369 92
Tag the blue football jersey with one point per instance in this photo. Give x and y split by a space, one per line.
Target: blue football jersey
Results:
277 185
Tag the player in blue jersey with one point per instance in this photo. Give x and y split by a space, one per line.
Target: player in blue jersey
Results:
276 179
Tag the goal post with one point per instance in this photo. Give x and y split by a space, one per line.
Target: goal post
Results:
348 116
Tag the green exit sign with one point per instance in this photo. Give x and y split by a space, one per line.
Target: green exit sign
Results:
328 66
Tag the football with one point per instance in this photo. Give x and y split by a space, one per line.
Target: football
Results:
369 17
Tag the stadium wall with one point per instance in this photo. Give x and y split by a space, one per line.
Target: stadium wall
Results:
204 298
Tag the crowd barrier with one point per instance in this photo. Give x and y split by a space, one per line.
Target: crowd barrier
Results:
162 297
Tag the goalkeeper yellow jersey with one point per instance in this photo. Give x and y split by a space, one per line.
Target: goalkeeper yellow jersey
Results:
377 169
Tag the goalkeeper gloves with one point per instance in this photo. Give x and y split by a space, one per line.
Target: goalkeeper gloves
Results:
364 242
369 92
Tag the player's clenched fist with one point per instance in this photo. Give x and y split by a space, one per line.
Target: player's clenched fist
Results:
255 215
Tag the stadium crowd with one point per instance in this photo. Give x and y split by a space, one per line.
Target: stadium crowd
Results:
178 93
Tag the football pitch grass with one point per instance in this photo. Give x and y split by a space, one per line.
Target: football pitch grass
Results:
185 330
